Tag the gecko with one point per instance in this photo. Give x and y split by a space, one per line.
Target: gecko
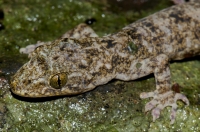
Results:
80 61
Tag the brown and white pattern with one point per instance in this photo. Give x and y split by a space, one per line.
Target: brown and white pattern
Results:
80 61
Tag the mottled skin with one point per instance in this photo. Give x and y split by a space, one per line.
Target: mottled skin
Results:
75 64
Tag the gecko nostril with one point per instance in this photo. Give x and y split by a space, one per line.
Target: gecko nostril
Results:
26 82
29 81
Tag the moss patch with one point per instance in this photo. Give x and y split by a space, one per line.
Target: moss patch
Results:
113 107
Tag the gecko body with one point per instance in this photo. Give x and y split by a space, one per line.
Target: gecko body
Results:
78 63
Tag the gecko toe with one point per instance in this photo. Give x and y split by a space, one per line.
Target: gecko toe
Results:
173 115
155 113
145 95
181 97
150 105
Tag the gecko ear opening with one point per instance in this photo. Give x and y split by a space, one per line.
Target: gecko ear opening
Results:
58 80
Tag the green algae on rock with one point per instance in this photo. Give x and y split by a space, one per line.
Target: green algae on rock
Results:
107 108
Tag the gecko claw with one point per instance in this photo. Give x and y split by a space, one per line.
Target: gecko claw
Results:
145 95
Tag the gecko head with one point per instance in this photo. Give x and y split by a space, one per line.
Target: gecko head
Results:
63 68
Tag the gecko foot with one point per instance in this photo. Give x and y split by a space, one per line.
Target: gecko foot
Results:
160 101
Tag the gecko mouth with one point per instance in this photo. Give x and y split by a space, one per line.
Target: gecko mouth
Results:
19 91
39 91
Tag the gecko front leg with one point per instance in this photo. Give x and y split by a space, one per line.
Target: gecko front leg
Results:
163 96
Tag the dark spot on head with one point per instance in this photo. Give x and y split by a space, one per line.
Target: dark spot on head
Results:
62 47
29 81
63 43
31 62
148 24
153 29
133 34
82 66
55 57
116 61
154 38
26 82
180 17
95 74
65 40
110 43
40 60
180 41
177 18
74 89
92 52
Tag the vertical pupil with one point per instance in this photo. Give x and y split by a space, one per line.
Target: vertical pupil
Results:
59 81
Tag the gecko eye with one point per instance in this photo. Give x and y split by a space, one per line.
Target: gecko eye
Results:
59 80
